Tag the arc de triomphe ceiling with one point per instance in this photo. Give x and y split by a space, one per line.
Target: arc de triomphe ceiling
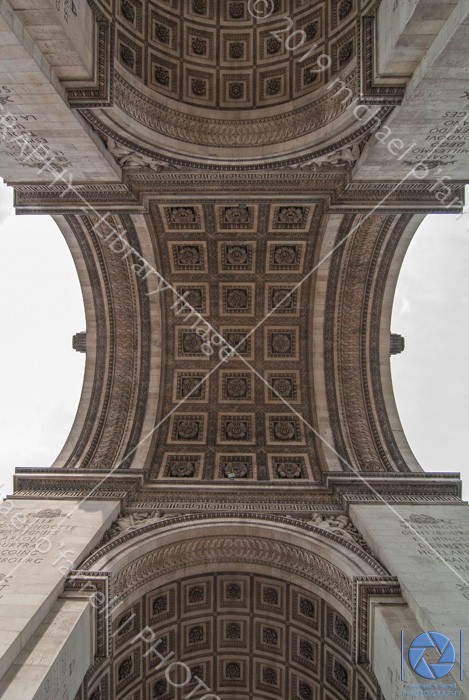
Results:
238 182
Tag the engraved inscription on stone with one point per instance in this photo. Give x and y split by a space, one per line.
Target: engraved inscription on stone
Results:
25 541
447 138
449 540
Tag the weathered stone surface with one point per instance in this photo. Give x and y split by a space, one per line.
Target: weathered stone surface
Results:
40 542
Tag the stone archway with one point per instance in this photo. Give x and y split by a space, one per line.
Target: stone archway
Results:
293 597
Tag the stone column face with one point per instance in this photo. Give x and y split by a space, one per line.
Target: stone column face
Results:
431 126
40 136
406 30
387 624
427 548
40 541
55 660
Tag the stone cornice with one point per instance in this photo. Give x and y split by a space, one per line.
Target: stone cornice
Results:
337 491
369 90
142 185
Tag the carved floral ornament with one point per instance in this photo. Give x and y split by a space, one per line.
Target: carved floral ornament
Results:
218 549
127 158
338 525
284 133
185 549
131 159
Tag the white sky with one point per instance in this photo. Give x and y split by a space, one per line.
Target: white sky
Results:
40 310
431 376
41 376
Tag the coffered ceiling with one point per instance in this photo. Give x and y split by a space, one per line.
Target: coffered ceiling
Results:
225 55
211 76
246 637
243 269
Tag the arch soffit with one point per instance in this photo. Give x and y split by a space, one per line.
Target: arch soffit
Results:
382 283
309 554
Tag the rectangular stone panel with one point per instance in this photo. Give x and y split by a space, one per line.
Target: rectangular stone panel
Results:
40 542
38 48
426 547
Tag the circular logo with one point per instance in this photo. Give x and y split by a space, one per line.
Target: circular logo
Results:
261 9
419 650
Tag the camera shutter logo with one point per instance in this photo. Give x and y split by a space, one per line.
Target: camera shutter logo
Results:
421 650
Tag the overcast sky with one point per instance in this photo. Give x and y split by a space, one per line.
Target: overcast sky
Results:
40 310
431 377
41 376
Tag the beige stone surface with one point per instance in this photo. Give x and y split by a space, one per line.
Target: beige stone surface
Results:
263 201
37 126
40 541
387 623
426 547
54 661
433 120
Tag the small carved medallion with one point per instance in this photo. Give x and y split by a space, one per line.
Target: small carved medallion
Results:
233 670
125 668
269 675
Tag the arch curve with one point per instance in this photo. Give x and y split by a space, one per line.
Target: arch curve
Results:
179 579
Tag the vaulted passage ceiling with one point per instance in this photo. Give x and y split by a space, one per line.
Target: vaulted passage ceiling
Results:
242 267
218 80
238 285
246 637
242 353
235 186
223 53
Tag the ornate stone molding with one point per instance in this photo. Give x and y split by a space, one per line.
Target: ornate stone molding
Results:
357 278
126 158
154 523
333 187
215 550
111 429
295 157
415 488
228 133
131 524
98 93
371 92
386 587
95 585
335 493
